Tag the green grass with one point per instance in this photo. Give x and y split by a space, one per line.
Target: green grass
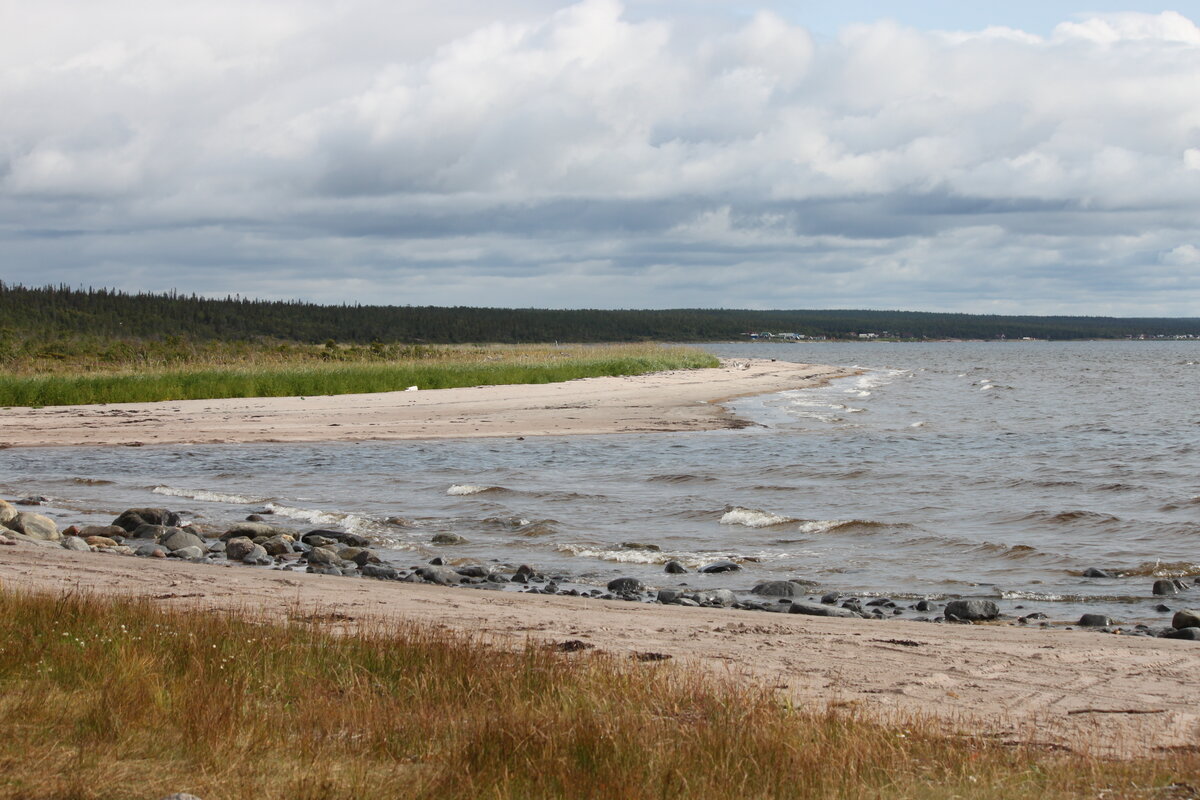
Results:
272 375
103 698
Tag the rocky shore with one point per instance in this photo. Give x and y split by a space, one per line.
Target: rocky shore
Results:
159 533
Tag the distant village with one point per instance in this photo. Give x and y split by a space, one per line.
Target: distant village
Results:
891 337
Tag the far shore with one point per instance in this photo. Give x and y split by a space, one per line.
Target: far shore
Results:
681 400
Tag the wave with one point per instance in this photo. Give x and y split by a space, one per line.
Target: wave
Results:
466 489
627 556
753 518
209 497
1070 517
347 521
829 525
1162 569
92 482
680 478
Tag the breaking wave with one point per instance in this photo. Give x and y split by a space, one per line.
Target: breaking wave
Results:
209 497
465 489
753 518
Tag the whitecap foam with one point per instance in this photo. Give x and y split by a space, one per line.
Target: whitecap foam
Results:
822 525
465 489
919 424
207 496
351 523
753 518
625 556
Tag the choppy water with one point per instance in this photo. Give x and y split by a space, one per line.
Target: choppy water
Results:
973 469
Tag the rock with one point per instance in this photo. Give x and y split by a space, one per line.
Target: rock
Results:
624 585
1186 618
639 546
148 531
444 576
151 551
254 518
75 543
674 568
831 598
925 605
819 610
4 540
380 571
238 548
722 597
720 566
100 541
779 589
360 555
177 539
1093 572
1164 586
7 512
973 610
474 571
351 539
35 526
253 530
132 518
188 553
111 531
180 796
32 500
1094 621
277 545
447 538
257 555
324 556
669 595
1191 634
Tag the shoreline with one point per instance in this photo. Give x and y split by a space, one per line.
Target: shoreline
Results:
679 400
1120 696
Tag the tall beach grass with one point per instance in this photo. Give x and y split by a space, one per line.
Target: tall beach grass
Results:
103 698
274 373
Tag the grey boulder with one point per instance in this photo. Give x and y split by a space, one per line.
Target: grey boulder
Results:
1186 618
779 589
972 610
625 585
720 566
820 610
176 539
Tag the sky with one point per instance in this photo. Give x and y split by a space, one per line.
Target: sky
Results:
1018 157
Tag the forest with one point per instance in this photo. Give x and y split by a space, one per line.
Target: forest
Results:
66 313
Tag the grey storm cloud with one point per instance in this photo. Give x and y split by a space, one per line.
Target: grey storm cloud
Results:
542 154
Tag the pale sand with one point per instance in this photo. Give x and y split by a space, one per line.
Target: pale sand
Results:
1132 696
684 400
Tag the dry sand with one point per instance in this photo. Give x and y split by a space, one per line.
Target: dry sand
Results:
1115 694
682 400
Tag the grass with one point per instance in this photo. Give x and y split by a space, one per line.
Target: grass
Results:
285 371
103 698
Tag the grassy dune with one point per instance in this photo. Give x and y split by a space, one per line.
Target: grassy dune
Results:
117 699
290 371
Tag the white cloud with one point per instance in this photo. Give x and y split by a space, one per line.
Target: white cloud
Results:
413 147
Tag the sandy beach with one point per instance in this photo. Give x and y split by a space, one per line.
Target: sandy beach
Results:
682 400
1116 694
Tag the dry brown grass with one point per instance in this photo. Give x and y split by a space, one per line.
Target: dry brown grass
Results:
117 699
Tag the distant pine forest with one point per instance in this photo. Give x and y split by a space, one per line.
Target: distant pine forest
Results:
63 312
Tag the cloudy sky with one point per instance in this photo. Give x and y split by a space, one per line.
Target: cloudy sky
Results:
1017 157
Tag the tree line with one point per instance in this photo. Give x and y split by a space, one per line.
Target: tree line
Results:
61 311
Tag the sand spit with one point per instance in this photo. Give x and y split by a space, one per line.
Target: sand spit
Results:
680 400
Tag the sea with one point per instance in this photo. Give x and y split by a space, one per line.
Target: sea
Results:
998 470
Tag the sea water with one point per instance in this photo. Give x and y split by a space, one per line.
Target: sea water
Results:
996 470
